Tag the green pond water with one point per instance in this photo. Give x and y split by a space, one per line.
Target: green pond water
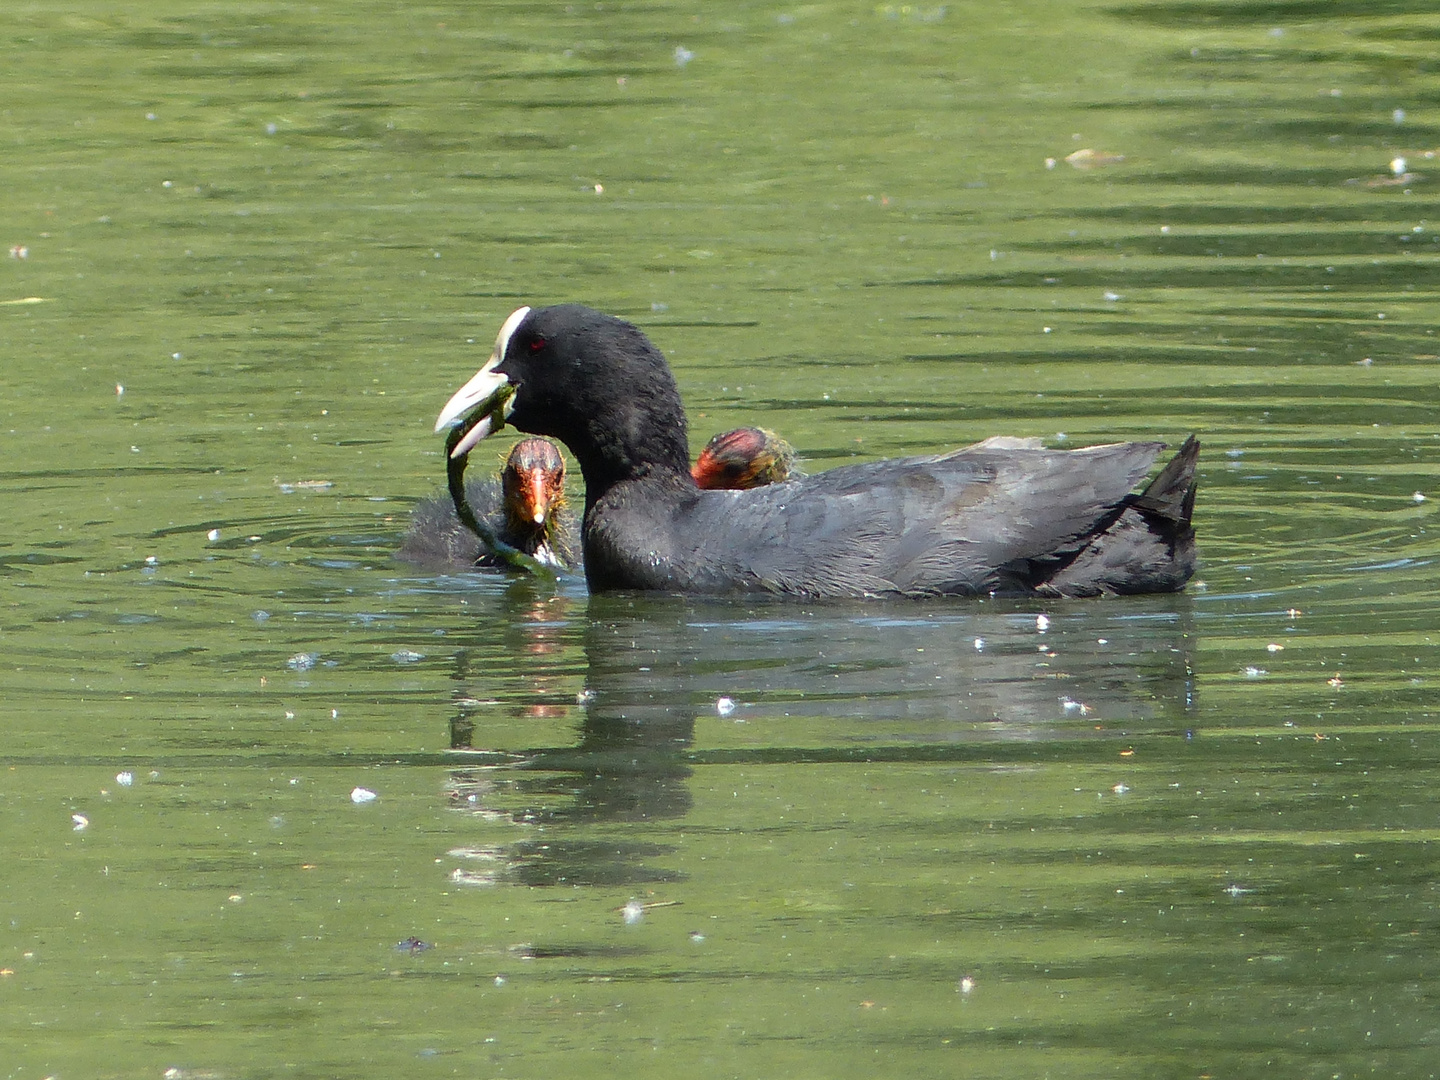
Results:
254 248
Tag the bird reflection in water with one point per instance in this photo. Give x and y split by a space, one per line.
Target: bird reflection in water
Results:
641 676
534 627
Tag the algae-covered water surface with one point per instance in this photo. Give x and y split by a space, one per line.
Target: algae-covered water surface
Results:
254 247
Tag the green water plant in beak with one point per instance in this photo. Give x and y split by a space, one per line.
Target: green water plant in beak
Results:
487 416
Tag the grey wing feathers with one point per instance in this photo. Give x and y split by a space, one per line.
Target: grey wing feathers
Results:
972 520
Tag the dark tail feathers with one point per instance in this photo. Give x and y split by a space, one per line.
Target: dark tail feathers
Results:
1171 495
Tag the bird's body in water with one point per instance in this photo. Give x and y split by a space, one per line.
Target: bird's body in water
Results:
1002 516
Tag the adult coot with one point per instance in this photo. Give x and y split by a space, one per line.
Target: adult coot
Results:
1000 516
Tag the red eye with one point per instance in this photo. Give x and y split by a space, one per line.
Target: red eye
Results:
536 344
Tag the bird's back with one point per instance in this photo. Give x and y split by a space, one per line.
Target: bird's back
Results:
992 517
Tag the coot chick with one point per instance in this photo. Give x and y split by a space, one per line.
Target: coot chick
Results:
997 517
745 458
524 510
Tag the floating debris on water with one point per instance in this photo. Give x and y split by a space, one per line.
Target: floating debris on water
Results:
79 822
1092 159
473 878
1042 623
913 12
288 488
725 706
634 911
1398 176
302 661
125 779
412 945
362 795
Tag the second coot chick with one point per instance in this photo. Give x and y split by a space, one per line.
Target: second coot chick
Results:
995 517
745 458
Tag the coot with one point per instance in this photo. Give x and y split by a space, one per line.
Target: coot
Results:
526 509
745 458
1000 516
523 511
